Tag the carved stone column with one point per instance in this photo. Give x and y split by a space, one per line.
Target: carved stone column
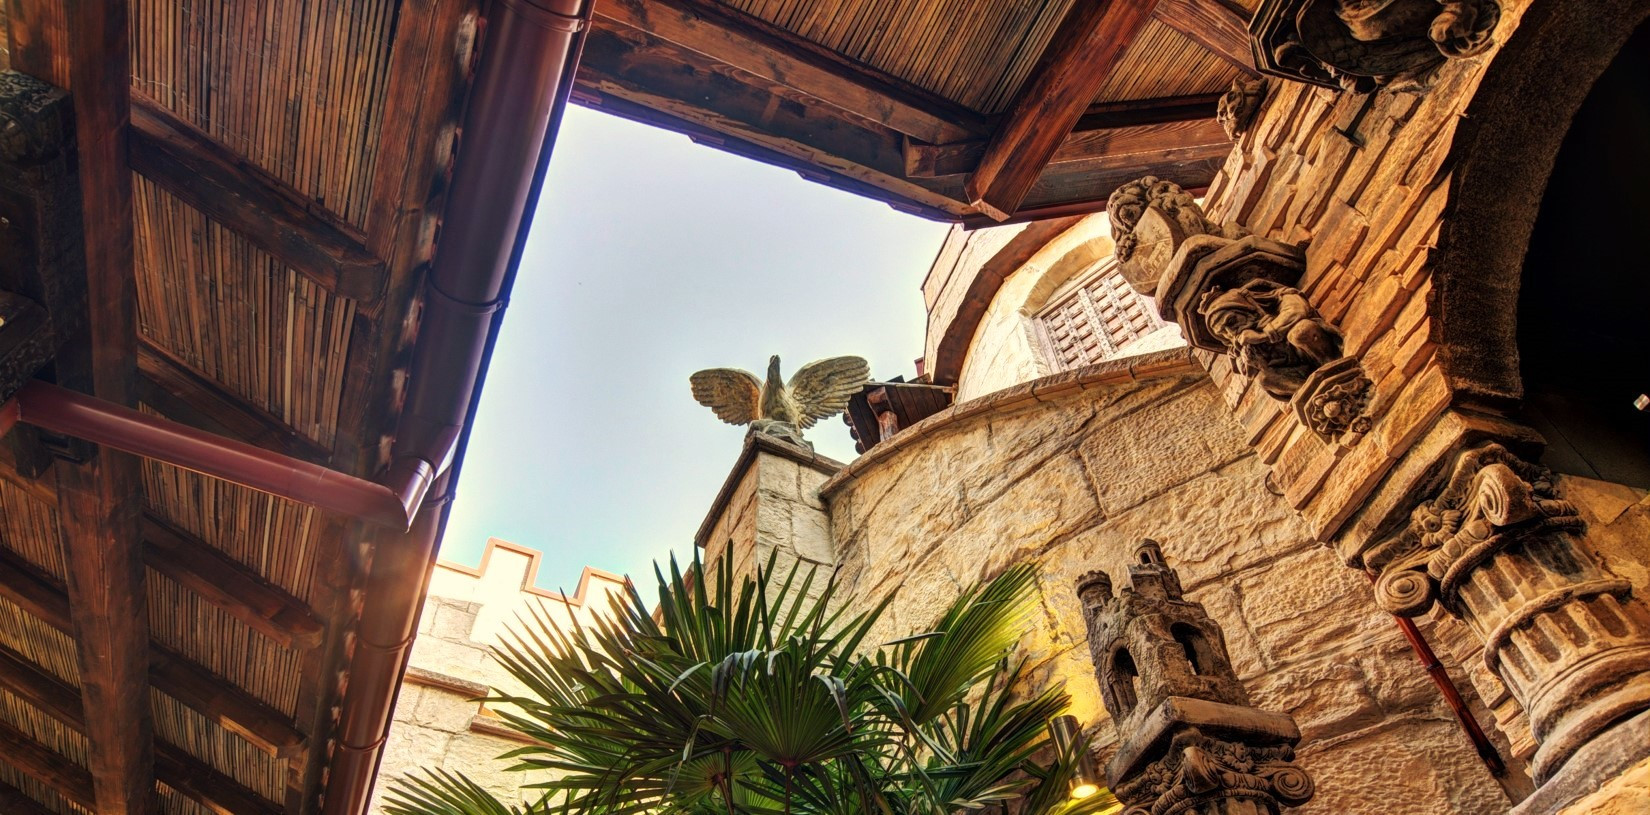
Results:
1190 741
1496 548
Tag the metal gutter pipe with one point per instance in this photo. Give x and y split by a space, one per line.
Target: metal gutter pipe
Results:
528 60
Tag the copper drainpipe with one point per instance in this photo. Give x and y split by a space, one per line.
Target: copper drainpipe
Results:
529 56
1452 696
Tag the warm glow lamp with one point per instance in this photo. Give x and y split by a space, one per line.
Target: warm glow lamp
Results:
1085 780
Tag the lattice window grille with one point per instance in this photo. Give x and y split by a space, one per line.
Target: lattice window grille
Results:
1094 319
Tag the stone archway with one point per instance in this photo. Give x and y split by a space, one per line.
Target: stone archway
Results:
1502 156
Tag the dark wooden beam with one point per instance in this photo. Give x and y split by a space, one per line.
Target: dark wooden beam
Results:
182 395
752 45
174 766
43 764
171 673
242 196
1087 46
224 582
14 802
1160 110
1116 143
100 493
1214 24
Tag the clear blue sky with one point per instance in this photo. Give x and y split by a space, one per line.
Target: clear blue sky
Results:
650 258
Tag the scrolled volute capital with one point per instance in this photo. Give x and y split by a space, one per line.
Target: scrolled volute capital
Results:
1198 770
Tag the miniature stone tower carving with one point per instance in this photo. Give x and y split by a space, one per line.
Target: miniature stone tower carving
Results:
1189 740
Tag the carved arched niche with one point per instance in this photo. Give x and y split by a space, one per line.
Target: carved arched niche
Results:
1502 157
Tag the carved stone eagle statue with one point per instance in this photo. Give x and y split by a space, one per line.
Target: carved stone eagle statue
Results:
819 390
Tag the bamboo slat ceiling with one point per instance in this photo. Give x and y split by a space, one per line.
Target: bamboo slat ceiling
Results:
907 100
277 263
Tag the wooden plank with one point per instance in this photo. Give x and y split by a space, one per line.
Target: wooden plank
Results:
43 764
1148 141
182 395
242 196
752 45
1088 45
1213 24
171 673
1160 110
14 802
174 766
224 582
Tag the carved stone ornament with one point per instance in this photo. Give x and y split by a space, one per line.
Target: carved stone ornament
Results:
1190 741
781 409
1150 220
1334 400
1360 45
1500 550
1238 105
36 121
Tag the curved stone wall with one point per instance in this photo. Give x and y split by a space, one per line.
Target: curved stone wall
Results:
1070 472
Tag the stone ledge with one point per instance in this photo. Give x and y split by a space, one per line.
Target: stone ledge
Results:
446 682
1172 362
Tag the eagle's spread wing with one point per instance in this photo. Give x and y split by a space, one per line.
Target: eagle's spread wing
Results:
822 388
734 395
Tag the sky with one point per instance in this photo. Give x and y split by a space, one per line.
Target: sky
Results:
651 257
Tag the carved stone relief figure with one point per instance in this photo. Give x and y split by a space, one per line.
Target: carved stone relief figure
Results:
1237 106
1273 332
1499 549
1359 45
781 409
1190 742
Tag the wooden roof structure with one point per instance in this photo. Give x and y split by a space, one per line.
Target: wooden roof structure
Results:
263 246
959 110
253 257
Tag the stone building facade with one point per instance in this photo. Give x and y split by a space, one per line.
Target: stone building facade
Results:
439 724
1402 435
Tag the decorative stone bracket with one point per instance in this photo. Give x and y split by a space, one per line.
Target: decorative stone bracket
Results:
1361 45
1497 548
1233 293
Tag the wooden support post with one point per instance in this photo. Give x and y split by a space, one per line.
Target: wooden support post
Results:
1089 44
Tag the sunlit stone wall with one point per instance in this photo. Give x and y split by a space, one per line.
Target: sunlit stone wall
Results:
1070 472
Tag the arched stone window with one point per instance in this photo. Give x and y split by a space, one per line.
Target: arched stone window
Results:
1123 676
1198 652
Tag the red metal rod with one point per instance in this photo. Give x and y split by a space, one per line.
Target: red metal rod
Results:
69 413
1452 696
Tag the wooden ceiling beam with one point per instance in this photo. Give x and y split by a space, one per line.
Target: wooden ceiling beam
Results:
183 395
45 765
100 490
13 801
224 582
753 45
1160 110
1117 143
252 202
171 673
1214 24
1090 42
174 766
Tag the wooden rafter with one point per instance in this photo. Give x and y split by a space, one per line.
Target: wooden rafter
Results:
14 802
171 673
1160 110
1144 144
1213 24
224 582
244 197
173 766
1088 45
43 764
756 47
183 395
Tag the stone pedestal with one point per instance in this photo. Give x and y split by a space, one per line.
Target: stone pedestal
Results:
1498 550
1191 743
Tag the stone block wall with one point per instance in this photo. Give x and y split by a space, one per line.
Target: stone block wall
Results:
1070 472
769 507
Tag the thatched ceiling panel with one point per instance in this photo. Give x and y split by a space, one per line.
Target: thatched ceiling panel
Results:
177 724
182 621
29 528
211 300
40 643
1163 62
50 732
274 537
173 802
296 87
974 53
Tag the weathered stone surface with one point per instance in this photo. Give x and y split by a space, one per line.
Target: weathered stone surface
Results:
1403 765
1626 794
1158 449
1308 604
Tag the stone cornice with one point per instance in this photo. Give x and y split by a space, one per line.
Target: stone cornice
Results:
1173 362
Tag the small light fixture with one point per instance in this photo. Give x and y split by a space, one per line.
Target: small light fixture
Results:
1085 780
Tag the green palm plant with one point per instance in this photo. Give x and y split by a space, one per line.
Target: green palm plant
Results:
754 698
